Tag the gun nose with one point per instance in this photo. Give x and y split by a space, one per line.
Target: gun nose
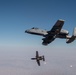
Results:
25 31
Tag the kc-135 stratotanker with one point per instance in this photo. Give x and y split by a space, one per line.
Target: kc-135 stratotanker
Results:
55 32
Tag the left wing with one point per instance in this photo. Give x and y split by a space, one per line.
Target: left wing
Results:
37 54
53 32
57 27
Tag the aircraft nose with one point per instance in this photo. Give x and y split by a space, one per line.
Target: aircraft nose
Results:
25 31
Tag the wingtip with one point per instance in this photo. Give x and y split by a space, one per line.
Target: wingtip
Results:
61 20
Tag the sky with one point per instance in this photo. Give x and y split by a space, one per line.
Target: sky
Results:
17 47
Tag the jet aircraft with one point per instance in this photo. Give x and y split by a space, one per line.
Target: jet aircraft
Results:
55 32
38 58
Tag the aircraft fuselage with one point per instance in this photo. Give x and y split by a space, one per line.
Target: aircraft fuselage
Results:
44 33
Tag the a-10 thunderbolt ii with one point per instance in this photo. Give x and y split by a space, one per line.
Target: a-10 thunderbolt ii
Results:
38 58
55 32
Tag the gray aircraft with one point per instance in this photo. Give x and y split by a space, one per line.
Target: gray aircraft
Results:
55 32
38 58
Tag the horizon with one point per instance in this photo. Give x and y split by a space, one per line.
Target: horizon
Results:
17 47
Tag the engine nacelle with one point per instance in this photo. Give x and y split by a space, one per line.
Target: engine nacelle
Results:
64 32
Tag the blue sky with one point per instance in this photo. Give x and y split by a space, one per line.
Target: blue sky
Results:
17 47
17 16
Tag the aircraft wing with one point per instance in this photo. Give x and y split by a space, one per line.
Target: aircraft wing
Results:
57 27
38 62
37 54
48 40
53 32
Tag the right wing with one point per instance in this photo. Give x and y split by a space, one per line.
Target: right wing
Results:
53 32
48 40
38 62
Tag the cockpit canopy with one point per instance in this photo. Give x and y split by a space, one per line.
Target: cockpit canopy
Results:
34 28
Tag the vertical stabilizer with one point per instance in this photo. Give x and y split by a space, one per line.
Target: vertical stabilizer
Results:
74 33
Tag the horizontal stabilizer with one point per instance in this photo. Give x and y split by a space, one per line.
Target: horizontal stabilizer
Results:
72 38
43 58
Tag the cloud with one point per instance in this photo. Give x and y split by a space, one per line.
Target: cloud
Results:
13 71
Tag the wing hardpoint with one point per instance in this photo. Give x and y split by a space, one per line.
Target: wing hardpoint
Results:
53 32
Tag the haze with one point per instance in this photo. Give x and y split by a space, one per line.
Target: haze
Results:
17 48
